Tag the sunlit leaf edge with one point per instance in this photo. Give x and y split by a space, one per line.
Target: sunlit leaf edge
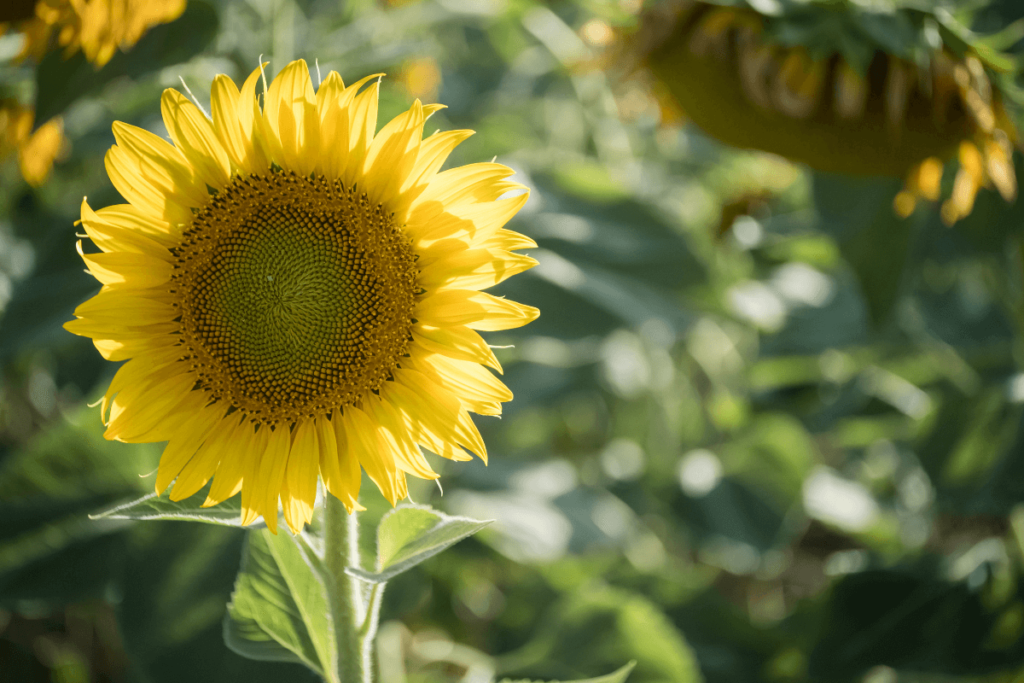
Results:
387 573
617 676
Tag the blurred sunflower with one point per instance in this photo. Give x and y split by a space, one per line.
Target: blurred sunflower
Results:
96 27
844 88
299 295
36 150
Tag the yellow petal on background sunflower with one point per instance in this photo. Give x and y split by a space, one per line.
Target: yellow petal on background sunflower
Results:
290 109
270 476
338 467
193 135
300 476
204 463
183 447
408 456
37 154
456 342
137 270
365 443
229 477
470 268
999 164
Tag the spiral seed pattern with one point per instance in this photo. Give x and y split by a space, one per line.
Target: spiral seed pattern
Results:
296 296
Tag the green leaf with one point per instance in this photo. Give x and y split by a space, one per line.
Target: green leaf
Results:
279 610
410 534
152 506
618 676
59 81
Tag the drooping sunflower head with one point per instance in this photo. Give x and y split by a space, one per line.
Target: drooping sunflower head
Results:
96 27
844 87
297 294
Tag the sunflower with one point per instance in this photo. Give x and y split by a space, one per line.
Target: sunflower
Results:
815 85
297 295
96 27
36 150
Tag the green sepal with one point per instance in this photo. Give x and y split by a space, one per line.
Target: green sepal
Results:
410 534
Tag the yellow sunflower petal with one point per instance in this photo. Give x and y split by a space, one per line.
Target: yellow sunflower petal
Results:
227 481
469 268
365 443
300 476
456 342
204 463
270 476
408 456
290 109
193 135
477 310
138 270
338 467
183 447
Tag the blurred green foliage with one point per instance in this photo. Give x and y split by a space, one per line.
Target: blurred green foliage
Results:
764 430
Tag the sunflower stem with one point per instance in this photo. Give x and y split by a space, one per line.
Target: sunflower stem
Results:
341 549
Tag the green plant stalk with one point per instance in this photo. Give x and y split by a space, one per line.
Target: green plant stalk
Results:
341 550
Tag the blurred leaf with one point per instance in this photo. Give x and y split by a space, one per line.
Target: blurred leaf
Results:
872 238
279 609
909 618
619 676
60 81
597 625
176 583
411 534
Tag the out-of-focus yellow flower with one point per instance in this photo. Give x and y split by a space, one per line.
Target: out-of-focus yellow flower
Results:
36 150
421 78
96 27
733 80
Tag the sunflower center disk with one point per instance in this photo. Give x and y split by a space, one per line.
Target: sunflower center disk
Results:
296 296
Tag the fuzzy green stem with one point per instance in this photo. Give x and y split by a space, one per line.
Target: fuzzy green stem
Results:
341 550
